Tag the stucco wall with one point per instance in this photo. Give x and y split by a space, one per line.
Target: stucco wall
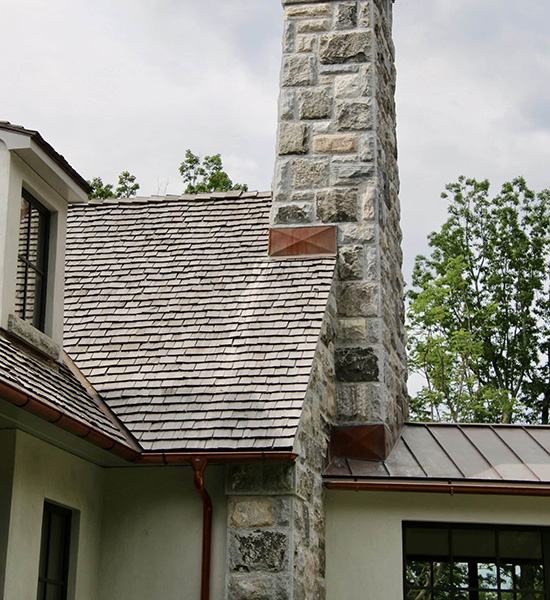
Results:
152 534
7 451
364 533
41 472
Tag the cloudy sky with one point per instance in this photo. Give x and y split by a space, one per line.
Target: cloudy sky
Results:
130 84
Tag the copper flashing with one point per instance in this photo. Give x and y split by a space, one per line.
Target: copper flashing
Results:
440 488
367 442
302 241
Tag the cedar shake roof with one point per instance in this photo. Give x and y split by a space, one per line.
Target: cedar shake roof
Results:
53 384
176 314
458 453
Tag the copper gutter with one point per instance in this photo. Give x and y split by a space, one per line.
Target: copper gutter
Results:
440 488
235 456
199 465
46 411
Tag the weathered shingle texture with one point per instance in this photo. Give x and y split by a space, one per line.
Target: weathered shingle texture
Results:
192 334
54 384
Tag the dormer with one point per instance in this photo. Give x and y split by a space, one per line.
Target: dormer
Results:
36 187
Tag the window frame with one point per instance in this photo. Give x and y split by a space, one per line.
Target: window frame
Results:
67 514
545 541
41 268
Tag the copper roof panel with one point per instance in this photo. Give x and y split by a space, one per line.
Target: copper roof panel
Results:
402 463
530 452
466 456
429 453
497 453
367 468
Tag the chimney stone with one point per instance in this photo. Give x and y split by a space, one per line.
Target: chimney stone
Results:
337 165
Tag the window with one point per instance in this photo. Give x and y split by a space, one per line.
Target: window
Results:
468 562
54 553
32 261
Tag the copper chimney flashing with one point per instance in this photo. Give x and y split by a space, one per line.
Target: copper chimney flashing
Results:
302 241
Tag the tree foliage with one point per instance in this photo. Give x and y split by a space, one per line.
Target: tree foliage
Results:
126 188
478 311
207 175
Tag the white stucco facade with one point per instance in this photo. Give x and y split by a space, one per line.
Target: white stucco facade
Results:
365 533
136 531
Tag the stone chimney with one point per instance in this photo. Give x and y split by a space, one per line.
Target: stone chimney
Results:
337 165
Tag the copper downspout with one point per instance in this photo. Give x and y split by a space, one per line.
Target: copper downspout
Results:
199 464
440 488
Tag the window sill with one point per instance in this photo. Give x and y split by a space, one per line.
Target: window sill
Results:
29 334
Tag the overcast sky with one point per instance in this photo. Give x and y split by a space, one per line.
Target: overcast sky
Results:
130 84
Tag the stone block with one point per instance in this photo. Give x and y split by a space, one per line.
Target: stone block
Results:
287 104
289 37
369 203
354 234
351 173
360 402
367 148
354 85
314 104
258 587
252 512
309 10
308 173
352 329
313 25
293 138
305 43
354 365
260 550
346 15
293 213
353 115
358 299
341 48
244 478
335 143
337 205
297 70
365 15
278 478
350 262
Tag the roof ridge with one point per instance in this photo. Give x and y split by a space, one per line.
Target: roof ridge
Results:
156 199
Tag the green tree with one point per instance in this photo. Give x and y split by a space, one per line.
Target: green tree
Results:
478 309
127 187
206 175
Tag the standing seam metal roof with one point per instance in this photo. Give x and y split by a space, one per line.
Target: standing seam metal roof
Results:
453 452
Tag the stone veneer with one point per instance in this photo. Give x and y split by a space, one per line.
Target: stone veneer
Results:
276 515
337 164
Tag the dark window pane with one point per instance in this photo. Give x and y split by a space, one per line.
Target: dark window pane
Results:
53 592
427 542
32 261
54 553
470 543
520 544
